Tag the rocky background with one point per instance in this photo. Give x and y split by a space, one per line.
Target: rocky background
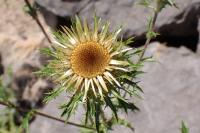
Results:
171 85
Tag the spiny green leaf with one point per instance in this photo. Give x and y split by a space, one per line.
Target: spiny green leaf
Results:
152 34
53 94
117 95
136 66
9 71
97 115
27 9
148 59
132 74
125 123
129 41
133 84
112 107
163 3
61 37
45 71
25 122
137 51
48 51
30 10
127 105
87 111
184 129
7 124
71 106
131 93
121 121
5 93
145 3
150 22
122 103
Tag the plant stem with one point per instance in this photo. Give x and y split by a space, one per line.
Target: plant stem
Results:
152 26
35 17
11 105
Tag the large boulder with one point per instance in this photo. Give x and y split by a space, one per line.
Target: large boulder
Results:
171 92
20 59
171 21
20 41
198 46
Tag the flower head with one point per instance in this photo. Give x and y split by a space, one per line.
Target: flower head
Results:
88 59
93 65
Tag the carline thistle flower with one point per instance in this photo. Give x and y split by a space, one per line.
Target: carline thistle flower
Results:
93 65
89 59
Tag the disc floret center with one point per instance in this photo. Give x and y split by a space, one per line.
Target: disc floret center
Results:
89 59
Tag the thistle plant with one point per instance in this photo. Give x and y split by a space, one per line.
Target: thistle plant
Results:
94 68
97 70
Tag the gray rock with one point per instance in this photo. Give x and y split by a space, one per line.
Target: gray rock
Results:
20 41
23 58
45 125
198 46
171 92
133 17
